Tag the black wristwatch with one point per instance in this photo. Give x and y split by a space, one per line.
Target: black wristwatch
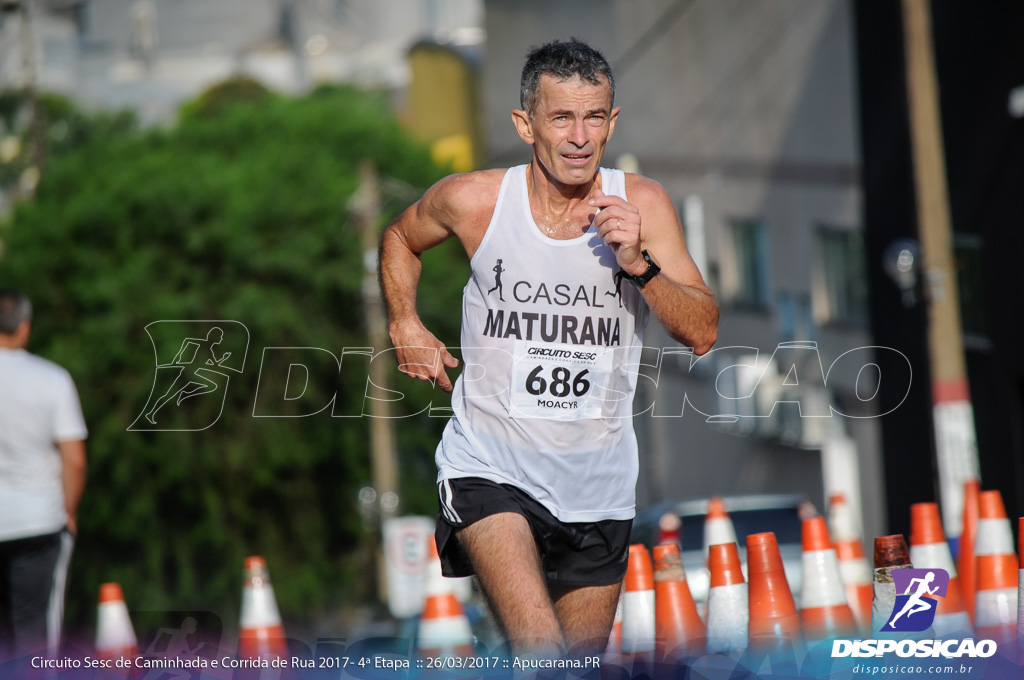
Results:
641 280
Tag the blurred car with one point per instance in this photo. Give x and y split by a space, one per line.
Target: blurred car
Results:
778 513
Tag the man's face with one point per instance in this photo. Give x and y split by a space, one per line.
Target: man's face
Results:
571 124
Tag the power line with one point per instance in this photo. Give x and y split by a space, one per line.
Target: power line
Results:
658 30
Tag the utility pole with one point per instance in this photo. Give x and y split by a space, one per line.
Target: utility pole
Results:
955 437
366 206
29 68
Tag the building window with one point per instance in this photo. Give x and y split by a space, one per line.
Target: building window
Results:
796 321
750 248
967 250
846 282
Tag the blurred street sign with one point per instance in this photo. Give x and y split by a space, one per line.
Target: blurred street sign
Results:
405 555
406 560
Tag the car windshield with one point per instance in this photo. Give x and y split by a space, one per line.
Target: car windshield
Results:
785 522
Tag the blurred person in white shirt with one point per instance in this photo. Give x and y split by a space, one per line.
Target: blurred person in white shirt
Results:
42 476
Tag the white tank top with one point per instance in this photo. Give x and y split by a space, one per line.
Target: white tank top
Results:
551 342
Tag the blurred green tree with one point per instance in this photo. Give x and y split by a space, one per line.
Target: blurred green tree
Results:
237 212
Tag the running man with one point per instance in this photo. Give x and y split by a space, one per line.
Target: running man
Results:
537 468
915 602
191 381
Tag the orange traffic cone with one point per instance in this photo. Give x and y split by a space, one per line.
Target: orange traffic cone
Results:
929 550
668 529
728 612
115 637
824 614
717 525
853 563
772 608
996 599
1020 594
680 632
444 629
965 563
638 631
261 635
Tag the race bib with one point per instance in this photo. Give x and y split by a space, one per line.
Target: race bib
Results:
559 382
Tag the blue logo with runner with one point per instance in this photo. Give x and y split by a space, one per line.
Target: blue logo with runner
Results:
916 590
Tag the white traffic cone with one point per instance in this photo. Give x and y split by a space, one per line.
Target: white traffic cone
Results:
854 568
728 601
718 527
115 636
995 615
929 550
444 629
824 613
638 627
261 635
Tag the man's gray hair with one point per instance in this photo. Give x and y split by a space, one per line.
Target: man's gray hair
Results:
563 60
15 307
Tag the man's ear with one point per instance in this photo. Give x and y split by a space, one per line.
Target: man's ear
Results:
23 332
524 125
611 121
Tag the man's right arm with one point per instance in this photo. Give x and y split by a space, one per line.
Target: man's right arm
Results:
427 223
73 473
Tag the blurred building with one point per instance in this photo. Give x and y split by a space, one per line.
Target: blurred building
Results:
747 114
979 59
442 102
150 55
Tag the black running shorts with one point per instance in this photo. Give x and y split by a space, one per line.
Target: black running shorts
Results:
571 553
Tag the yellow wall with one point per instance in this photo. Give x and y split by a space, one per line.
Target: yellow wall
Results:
442 106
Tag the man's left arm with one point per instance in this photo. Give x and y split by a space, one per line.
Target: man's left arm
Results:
680 300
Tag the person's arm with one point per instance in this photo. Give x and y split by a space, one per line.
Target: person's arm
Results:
424 225
678 296
73 469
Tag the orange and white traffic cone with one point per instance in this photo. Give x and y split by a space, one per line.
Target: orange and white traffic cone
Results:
824 612
261 635
115 636
444 629
854 567
929 550
773 612
1020 593
680 632
668 529
775 636
638 629
728 612
966 565
718 526
996 600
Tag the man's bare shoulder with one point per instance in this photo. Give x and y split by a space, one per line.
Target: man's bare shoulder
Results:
645 192
466 197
